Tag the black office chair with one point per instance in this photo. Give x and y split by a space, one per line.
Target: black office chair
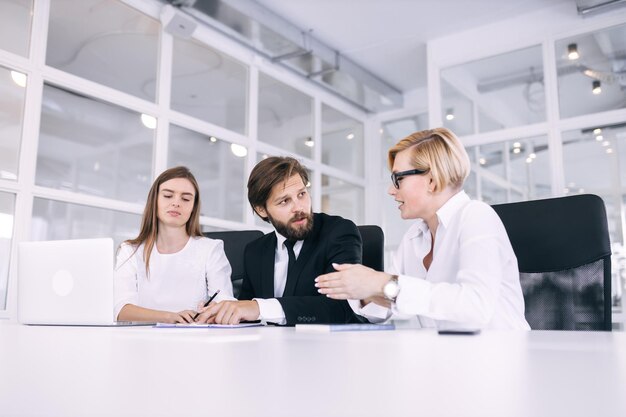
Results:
235 242
564 258
373 247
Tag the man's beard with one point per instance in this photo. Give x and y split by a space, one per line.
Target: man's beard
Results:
292 232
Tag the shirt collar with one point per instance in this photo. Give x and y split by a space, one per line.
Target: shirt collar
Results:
445 214
448 211
280 239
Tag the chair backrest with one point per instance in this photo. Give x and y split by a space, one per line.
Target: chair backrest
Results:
235 242
373 247
564 258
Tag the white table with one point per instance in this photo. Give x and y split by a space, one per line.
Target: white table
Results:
66 371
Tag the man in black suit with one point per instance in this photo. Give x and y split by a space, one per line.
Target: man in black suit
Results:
281 267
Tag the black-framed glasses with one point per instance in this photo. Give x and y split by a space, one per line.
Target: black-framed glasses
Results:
395 176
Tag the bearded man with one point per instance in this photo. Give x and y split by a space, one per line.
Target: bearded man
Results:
281 267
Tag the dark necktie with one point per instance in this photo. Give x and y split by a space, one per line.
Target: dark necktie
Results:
289 244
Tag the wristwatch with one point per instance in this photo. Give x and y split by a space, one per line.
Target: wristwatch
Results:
391 289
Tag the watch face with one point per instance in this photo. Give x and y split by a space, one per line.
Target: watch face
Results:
391 289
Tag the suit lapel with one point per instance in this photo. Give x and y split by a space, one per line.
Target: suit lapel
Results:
308 246
267 268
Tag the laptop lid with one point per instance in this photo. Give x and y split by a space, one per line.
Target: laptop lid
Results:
66 282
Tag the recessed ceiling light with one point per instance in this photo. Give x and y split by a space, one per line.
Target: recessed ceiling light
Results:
18 78
599 138
597 131
572 51
450 114
238 150
350 136
148 121
309 142
596 87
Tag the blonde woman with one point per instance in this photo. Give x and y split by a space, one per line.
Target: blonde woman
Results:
167 272
455 266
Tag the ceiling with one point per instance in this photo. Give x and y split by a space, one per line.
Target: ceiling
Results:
389 37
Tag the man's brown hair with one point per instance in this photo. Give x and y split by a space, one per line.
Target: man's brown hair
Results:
269 172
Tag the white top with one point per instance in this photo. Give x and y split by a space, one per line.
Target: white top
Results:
473 280
178 281
270 309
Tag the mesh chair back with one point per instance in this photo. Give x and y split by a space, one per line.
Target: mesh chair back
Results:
373 247
235 242
564 258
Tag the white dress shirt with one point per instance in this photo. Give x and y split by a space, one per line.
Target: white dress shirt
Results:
270 308
473 280
178 281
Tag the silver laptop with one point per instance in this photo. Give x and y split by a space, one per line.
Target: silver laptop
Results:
67 282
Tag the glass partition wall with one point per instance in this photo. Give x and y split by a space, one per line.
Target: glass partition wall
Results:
545 120
96 103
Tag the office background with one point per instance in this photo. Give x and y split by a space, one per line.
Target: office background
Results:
99 96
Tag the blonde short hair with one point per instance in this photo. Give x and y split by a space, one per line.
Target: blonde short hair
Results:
438 151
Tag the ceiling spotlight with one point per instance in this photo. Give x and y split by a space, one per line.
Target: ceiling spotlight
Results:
18 78
597 131
449 114
350 136
606 143
517 145
482 161
572 51
238 150
595 87
213 139
309 142
532 155
599 138
516 150
529 160
148 121
609 150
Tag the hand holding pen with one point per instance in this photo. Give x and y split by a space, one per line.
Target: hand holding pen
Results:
207 303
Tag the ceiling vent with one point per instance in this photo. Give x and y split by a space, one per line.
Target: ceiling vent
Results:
285 44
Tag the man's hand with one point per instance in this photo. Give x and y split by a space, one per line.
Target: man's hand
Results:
229 312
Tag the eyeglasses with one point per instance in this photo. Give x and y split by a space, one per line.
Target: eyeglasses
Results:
396 176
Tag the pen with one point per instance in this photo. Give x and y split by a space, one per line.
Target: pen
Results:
207 303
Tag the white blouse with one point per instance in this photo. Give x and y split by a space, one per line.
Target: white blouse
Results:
179 281
473 280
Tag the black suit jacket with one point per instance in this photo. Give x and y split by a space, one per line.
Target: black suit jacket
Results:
333 239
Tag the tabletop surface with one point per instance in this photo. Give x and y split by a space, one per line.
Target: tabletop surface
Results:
270 371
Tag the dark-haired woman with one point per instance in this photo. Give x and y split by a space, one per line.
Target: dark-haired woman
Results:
167 272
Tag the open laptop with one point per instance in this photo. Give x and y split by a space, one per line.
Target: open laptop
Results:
67 282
